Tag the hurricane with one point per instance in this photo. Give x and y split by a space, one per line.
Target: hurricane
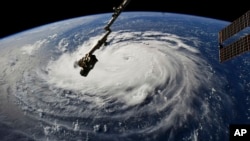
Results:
146 83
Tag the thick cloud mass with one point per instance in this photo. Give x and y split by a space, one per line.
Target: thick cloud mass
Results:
129 72
143 82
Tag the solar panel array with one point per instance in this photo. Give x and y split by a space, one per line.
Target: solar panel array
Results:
238 47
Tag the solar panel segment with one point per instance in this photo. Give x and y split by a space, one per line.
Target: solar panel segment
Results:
241 45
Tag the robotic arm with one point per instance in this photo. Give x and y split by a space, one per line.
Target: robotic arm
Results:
88 62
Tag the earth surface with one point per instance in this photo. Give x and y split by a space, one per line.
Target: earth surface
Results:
159 78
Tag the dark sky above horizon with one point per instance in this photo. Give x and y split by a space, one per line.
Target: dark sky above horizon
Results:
20 16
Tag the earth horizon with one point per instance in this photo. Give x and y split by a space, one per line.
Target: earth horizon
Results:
159 78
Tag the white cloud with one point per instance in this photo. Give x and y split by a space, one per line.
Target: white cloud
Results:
31 48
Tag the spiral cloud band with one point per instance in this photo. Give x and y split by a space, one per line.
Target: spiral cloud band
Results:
143 82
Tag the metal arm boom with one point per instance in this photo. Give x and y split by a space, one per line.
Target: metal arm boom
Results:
88 61
100 42
117 12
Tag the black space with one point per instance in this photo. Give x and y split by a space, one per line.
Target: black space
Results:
17 16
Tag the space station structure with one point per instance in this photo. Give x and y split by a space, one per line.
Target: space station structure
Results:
88 62
238 47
